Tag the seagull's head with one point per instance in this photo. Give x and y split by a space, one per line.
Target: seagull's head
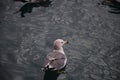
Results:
58 43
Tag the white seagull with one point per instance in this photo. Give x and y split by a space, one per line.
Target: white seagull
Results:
55 61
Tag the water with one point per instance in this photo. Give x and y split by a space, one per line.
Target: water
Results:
93 33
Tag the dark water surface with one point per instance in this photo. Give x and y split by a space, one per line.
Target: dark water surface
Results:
94 35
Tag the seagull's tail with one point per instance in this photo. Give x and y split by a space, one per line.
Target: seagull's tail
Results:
51 75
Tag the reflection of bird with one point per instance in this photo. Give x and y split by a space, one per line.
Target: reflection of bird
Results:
55 61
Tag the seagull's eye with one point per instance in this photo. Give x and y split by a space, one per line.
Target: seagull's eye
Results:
62 42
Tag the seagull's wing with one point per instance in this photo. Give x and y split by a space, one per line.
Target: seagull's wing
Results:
55 60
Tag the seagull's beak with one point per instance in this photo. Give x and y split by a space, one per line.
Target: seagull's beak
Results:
66 42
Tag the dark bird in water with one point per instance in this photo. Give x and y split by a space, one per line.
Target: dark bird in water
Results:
27 8
31 1
113 4
55 61
21 0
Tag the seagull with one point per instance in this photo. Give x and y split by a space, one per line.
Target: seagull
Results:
55 61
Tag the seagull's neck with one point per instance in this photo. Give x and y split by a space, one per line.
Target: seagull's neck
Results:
61 50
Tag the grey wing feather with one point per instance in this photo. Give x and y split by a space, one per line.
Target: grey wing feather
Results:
58 59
